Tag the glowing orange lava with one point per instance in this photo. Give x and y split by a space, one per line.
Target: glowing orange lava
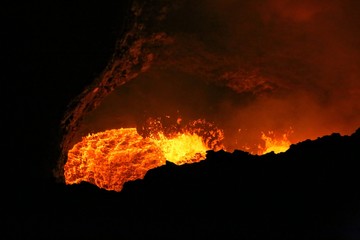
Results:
109 159
274 144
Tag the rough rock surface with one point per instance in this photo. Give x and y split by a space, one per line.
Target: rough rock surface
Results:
308 192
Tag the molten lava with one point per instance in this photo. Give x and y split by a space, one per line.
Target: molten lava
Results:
109 159
182 148
274 144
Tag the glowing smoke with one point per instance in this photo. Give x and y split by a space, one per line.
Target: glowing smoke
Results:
249 66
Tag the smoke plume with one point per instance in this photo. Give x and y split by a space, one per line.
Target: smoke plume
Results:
250 67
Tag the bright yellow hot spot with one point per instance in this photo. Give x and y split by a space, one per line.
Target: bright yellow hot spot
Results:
275 144
182 148
109 159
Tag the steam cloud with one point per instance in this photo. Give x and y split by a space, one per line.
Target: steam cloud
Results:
249 66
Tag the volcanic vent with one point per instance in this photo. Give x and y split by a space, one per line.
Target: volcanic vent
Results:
190 77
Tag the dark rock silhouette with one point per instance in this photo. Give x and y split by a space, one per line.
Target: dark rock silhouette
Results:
309 192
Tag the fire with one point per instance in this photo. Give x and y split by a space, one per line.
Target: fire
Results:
182 148
109 159
275 144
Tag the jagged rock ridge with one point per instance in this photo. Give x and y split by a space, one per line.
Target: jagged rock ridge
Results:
308 192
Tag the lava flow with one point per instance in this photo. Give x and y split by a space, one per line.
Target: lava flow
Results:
109 159
274 144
